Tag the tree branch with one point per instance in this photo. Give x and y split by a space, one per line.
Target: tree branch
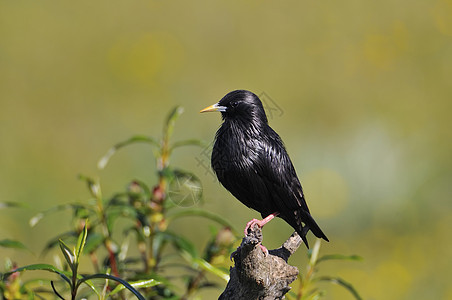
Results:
259 276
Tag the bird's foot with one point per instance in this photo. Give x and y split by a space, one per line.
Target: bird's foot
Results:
260 223
251 224
264 249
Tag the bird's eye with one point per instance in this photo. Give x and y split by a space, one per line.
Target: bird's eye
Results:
234 103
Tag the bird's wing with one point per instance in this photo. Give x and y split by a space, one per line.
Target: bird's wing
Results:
278 174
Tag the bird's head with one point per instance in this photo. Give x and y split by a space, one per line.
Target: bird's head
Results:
240 105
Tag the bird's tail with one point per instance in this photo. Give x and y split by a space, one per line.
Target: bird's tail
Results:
309 224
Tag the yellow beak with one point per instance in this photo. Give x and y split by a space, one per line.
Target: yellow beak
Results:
214 107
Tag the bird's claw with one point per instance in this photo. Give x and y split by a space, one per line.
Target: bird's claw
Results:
251 224
260 223
264 249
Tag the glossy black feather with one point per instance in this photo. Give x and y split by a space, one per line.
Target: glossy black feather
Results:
250 160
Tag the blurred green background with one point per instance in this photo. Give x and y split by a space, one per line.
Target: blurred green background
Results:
361 93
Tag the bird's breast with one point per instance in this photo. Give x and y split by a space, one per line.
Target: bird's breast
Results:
234 153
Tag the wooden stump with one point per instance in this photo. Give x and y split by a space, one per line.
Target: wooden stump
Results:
259 276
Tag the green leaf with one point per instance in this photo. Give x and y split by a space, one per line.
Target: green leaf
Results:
317 295
313 294
137 285
35 284
119 211
339 257
11 204
68 254
40 267
199 263
91 285
93 241
70 235
171 120
12 244
74 206
180 243
93 186
135 139
291 294
343 283
81 242
35 219
189 142
111 277
202 213
314 253
214 270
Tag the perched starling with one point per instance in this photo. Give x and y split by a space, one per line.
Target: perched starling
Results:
251 162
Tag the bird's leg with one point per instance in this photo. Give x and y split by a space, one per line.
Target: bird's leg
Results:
260 223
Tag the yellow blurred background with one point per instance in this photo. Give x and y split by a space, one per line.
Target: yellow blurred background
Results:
360 91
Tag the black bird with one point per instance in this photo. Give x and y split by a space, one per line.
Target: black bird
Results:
251 162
